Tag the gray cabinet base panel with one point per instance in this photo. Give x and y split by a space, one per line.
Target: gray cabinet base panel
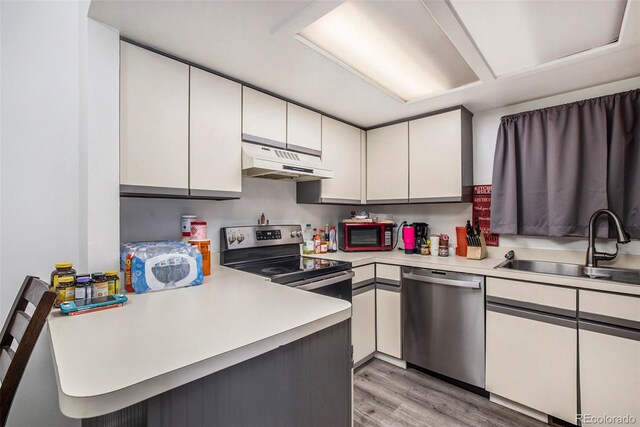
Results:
304 383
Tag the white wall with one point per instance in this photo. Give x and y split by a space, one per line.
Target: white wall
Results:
153 219
485 128
56 117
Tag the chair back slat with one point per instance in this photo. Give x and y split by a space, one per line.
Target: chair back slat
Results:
22 330
19 325
6 356
35 290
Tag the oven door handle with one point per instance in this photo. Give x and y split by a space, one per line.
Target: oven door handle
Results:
310 285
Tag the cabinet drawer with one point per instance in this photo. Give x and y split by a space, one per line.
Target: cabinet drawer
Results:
389 274
363 275
533 296
609 307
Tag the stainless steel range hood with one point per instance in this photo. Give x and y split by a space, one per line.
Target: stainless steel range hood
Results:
268 162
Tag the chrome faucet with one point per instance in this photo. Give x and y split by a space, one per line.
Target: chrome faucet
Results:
594 256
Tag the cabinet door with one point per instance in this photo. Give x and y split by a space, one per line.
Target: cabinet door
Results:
388 322
304 130
531 359
264 118
154 122
215 152
363 323
435 165
387 164
610 375
341 153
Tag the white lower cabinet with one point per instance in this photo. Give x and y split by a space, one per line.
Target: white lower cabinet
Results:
363 323
531 346
388 321
533 363
609 337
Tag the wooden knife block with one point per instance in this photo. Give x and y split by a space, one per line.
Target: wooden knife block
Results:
478 252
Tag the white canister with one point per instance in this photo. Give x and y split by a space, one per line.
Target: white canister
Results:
186 224
198 230
435 244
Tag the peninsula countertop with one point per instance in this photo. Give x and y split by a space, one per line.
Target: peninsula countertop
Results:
108 360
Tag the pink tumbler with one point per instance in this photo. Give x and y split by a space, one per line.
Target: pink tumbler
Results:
409 239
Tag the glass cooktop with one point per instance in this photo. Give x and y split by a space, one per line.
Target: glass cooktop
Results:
288 270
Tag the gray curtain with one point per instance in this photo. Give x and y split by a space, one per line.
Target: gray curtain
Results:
554 167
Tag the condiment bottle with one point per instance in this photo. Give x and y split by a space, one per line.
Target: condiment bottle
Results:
99 285
113 282
62 269
333 240
203 247
65 290
317 246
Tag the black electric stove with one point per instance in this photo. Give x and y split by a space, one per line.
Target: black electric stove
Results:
273 251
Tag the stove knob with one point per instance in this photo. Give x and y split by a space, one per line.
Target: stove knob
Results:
232 238
298 233
240 237
293 234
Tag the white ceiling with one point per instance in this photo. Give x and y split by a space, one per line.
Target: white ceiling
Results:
254 41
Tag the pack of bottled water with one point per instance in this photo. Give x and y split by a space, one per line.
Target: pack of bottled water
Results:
156 266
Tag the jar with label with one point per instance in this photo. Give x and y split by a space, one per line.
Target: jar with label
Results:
186 226
82 284
113 282
198 230
99 285
65 290
62 269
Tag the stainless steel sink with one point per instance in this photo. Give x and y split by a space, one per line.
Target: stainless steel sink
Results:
572 270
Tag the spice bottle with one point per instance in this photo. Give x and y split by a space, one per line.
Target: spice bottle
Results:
62 269
99 285
113 282
65 290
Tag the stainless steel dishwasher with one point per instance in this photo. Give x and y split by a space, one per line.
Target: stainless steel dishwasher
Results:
444 323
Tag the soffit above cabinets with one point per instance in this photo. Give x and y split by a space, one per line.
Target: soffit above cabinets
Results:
517 35
256 42
397 47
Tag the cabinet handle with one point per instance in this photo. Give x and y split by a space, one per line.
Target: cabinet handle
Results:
631 334
532 315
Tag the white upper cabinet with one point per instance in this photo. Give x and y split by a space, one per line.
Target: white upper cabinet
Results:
387 164
440 166
215 152
341 153
154 123
304 130
264 118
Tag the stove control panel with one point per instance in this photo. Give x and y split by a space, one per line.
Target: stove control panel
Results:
259 236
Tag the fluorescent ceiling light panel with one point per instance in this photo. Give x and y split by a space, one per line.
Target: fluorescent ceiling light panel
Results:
395 45
516 35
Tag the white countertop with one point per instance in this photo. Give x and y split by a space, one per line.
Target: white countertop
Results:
482 267
107 360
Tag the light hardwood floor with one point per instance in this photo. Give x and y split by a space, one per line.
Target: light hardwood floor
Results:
388 396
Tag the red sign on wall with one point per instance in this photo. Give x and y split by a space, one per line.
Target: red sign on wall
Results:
482 212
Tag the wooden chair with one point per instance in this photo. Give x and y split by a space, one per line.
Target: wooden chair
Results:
24 329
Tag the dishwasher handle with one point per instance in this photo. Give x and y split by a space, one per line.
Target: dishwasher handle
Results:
472 284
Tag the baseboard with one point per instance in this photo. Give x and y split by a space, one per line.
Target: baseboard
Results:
530 412
390 359
363 361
